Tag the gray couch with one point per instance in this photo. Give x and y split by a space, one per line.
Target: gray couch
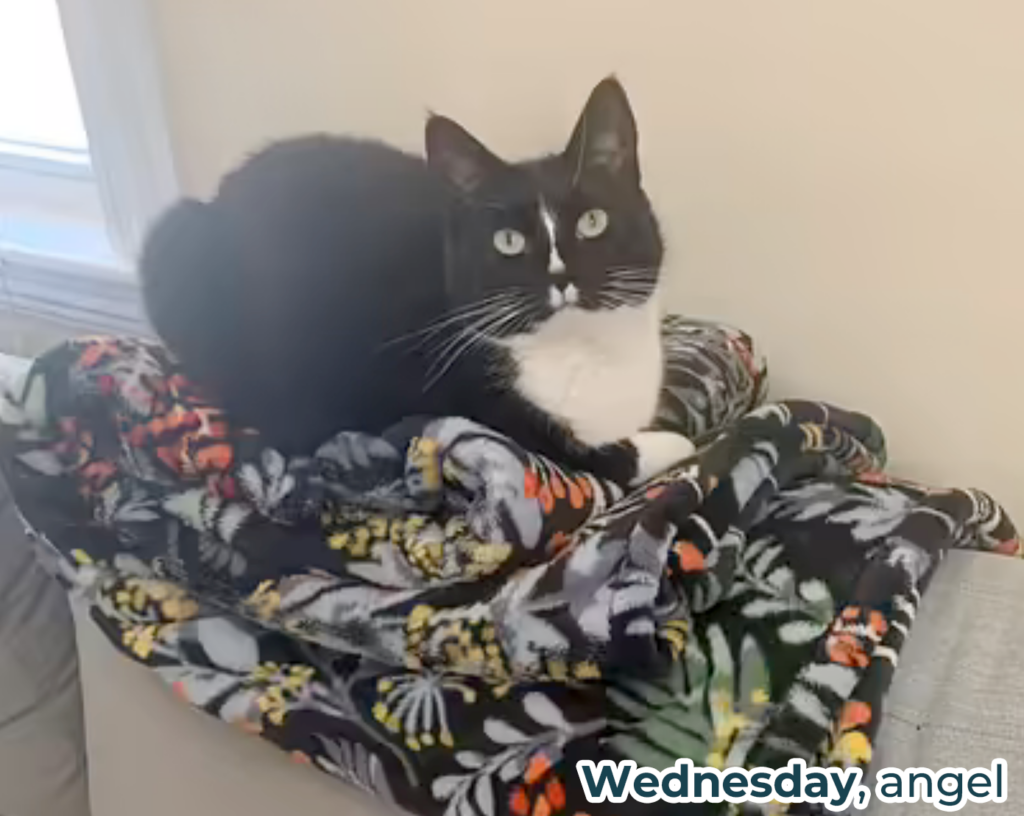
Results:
42 747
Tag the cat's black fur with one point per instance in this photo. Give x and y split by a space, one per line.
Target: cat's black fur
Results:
312 294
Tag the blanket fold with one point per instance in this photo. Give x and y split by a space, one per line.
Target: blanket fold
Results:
451 622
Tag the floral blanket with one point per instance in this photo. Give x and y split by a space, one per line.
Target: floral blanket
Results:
450 622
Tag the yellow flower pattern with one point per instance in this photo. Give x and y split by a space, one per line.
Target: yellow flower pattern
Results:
416 705
265 600
675 633
472 646
282 686
143 639
468 646
424 456
435 551
727 724
853 748
167 602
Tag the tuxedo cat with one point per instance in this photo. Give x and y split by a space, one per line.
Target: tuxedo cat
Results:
340 284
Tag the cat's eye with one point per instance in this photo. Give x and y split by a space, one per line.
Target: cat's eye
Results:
592 224
509 242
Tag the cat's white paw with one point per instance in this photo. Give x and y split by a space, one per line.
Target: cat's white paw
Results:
657 451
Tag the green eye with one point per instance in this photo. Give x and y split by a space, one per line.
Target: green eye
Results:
592 224
509 242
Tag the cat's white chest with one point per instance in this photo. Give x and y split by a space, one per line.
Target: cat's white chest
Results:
599 372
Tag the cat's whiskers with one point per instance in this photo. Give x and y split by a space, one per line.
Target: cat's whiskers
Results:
632 271
525 319
446 320
631 282
441 332
637 279
507 325
648 278
612 301
615 294
629 285
482 330
628 297
466 331
631 278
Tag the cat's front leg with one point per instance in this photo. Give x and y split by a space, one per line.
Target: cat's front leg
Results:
628 463
631 462
656 452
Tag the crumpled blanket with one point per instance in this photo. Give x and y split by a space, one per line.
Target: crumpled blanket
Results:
450 622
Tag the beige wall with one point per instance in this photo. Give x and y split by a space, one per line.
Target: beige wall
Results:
843 179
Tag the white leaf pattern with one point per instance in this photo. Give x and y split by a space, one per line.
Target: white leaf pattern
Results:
484 795
227 644
502 733
801 631
543 711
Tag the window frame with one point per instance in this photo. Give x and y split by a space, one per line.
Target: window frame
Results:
45 161
113 52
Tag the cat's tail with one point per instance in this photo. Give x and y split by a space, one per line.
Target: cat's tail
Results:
185 268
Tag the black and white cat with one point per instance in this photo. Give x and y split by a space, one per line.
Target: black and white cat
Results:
339 284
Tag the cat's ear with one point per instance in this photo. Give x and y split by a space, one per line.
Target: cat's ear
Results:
458 156
605 137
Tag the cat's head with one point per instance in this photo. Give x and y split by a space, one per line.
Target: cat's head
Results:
573 231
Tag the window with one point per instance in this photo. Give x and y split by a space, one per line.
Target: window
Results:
85 162
48 196
39 119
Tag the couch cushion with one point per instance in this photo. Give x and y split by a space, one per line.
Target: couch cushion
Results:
42 744
956 698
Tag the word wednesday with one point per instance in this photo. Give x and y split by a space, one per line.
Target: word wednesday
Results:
838 789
